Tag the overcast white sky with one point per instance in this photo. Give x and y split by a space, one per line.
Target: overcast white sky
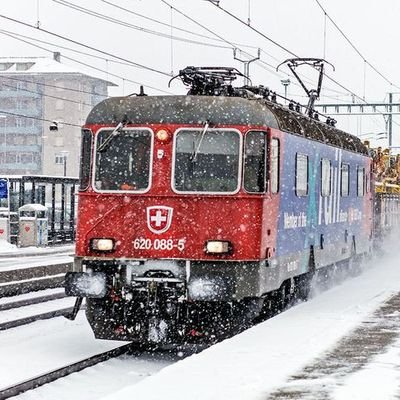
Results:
298 26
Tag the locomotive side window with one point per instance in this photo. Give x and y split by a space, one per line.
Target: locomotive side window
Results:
360 181
85 160
123 162
274 178
345 181
325 177
255 162
301 175
207 161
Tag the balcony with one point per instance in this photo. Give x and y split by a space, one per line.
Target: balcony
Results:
24 148
12 94
22 130
11 167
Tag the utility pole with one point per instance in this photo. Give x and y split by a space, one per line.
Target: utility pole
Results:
390 120
246 65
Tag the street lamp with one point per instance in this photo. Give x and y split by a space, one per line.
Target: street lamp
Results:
65 157
3 117
285 83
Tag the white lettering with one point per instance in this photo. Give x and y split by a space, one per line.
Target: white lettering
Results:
159 244
291 221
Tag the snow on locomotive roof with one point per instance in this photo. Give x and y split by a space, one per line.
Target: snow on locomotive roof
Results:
182 110
219 110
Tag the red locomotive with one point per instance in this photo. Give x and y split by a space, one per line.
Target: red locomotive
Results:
197 208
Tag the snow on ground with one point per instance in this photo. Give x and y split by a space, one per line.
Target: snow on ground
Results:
254 363
42 346
11 250
46 345
26 296
13 257
379 380
6 247
36 309
250 366
102 379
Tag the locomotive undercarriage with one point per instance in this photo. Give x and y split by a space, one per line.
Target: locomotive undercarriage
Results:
163 301
168 301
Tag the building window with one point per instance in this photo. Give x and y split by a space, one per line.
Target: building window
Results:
18 140
24 66
301 175
21 85
344 184
5 66
26 158
59 160
30 140
325 177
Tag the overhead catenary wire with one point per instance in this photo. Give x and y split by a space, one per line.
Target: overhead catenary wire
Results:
271 69
167 25
354 46
132 26
27 40
232 44
133 63
37 118
280 46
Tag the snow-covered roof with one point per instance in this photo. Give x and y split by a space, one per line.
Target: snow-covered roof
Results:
39 65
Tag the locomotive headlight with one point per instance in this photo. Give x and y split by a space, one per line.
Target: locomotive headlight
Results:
102 244
218 246
163 135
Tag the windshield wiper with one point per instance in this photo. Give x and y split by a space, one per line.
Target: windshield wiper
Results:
111 136
194 156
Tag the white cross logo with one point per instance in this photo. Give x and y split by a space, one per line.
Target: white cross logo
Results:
158 218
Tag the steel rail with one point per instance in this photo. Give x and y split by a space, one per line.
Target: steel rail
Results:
37 317
55 374
31 301
18 288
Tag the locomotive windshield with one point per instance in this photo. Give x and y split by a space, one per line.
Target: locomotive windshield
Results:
207 161
124 164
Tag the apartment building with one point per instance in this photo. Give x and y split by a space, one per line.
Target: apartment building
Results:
34 91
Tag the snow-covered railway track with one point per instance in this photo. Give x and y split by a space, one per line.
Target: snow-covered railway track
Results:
53 375
64 312
16 280
31 301
25 309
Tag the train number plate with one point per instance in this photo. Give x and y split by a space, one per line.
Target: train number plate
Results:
142 243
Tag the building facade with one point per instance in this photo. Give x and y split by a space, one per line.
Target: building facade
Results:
34 92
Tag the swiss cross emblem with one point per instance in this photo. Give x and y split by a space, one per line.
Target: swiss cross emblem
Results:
159 218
